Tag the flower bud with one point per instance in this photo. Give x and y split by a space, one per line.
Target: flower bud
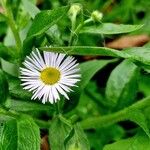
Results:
96 16
74 10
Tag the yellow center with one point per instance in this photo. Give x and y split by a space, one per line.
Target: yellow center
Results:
50 75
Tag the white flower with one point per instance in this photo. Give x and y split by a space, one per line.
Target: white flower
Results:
49 75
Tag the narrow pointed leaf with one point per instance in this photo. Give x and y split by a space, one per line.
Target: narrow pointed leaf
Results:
141 54
110 28
45 19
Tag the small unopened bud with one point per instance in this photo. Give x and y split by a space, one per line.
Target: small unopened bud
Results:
74 10
96 16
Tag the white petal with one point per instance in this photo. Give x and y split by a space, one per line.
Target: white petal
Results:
38 92
44 99
47 58
28 64
38 57
51 100
55 94
64 87
68 68
61 91
67 62
33 61
71 72
27 72
60 59
67 83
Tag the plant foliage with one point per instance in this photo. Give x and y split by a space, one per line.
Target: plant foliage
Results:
115 84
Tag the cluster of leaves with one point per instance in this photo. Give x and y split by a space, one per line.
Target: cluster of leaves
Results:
93 108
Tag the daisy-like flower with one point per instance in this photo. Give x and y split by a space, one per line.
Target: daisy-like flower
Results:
49 75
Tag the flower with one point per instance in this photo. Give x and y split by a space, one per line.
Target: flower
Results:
49 75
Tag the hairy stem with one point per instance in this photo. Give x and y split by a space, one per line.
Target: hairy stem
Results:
73 24
12 25
76 31
82 24
101 121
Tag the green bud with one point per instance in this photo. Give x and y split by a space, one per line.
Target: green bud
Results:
74 10
96 16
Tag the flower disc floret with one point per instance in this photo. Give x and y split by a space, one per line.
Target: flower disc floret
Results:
50 75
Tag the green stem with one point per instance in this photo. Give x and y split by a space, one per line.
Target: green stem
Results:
64 120
12 25
57 107
76 31
42 124
3 111
73 25
82 24
98 122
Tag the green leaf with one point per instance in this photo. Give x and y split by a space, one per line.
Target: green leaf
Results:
58 132
41 23
16 91
9 39
10 68
139 118
144 83
4 52
23 102
138 142
122 84
27 106
45 19
147 45
141 54
53 35
105 135
3 18
110 28
77 140
30 8
90 68
8 133
20 134
95 94
28 134
3 87
86 50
